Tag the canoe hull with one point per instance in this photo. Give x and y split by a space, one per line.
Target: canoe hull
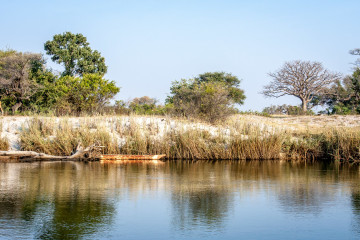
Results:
131 157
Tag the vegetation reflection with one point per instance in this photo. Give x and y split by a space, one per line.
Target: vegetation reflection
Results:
80 200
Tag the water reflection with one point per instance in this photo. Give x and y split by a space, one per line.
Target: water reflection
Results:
200 195
54 198
93 200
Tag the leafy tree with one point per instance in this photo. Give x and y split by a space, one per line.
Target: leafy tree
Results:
45 97
120 107
143 105
17 80
344 96
210 101
73 51
83 94
302 79
231 82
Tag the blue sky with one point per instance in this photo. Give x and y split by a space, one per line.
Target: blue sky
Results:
148 44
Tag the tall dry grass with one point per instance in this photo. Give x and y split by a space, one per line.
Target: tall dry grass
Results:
4 144
62 139
180 139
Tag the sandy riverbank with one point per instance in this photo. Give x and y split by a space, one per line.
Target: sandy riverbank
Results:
240 137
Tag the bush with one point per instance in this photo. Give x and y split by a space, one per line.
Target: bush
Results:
209 101
146 106
286 110
88 94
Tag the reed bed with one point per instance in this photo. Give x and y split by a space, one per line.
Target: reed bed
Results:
62 138
181 139
4 144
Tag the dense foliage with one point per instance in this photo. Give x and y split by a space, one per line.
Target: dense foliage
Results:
343 97
89 94
17 77
146 105
26 84
231 82
209 99
73 51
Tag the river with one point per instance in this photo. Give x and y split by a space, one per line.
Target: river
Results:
179 200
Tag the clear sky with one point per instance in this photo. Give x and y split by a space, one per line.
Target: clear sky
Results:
148 44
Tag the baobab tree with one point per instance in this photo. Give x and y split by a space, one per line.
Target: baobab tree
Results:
302 79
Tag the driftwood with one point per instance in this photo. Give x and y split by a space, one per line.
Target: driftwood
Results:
80 154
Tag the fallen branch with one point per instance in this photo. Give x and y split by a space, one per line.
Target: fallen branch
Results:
80 153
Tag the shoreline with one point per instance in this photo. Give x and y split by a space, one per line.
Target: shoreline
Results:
240 137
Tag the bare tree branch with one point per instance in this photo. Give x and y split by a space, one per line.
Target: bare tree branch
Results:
302 79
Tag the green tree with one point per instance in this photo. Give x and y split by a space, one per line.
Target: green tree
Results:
17 79
45 97
231 82
143 105
73 51
209 101
89 93
344 96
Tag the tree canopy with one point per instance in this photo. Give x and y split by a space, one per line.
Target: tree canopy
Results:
89 93
16 76
343 97
73 51
231 82
302 79
209 100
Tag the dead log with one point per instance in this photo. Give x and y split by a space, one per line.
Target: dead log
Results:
80 154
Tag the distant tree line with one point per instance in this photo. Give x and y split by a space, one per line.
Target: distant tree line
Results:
211 96
27 85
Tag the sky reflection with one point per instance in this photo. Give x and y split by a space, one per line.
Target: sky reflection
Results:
180 200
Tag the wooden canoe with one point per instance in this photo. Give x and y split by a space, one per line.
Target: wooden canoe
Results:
130 157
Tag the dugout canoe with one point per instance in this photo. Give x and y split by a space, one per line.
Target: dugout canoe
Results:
131 157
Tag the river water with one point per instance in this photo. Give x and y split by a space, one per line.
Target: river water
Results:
179 200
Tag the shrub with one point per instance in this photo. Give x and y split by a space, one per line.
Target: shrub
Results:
208 101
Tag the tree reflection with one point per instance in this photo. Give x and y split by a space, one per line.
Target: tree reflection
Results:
79 200
56 203
355 202
200 195
207 208
76 218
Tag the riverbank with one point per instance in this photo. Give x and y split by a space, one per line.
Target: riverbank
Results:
240 137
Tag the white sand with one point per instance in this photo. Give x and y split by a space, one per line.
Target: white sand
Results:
11 126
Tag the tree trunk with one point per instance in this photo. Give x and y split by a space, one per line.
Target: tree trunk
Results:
304 105
16 107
